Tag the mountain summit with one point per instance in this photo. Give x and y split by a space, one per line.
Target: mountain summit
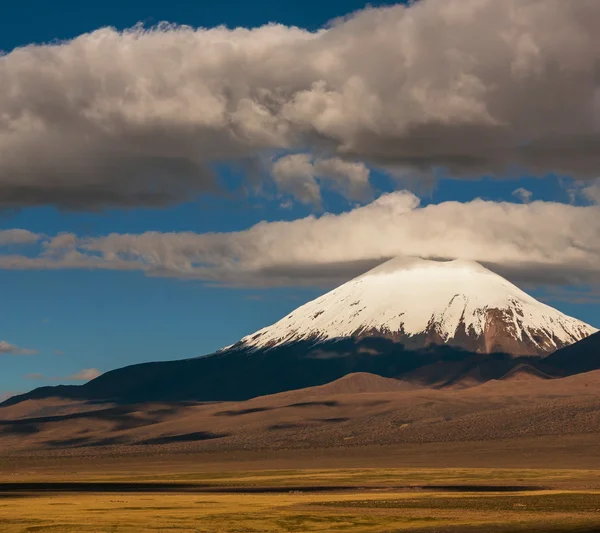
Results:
419 303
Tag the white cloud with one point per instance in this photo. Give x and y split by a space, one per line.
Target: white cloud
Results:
18 236
349 178
138 117
11 349
539 242
592 192
87 374
302 177
523 194
294 175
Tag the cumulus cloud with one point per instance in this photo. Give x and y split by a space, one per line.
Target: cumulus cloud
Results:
140 117
11 349
18 236
538 243
349 178
302 177
523 194
294 175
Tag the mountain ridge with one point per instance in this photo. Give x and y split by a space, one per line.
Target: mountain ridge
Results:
365 410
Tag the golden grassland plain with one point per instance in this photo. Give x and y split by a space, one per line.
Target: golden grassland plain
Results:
373 500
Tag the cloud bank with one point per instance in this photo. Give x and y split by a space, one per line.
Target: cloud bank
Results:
542 243
141 117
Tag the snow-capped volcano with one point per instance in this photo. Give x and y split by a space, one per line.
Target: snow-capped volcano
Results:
418 302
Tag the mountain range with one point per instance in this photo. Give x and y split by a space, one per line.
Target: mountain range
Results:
540 416
429 323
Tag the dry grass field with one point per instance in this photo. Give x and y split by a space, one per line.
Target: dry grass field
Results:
363 512
346 500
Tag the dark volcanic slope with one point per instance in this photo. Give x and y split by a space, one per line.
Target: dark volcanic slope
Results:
582 356
239 375
235 375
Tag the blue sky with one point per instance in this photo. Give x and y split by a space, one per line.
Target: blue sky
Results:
65 19
77 319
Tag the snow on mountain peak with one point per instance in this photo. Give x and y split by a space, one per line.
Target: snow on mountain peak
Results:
419 302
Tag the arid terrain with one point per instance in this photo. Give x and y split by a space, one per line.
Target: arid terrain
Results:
361 454
356 411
